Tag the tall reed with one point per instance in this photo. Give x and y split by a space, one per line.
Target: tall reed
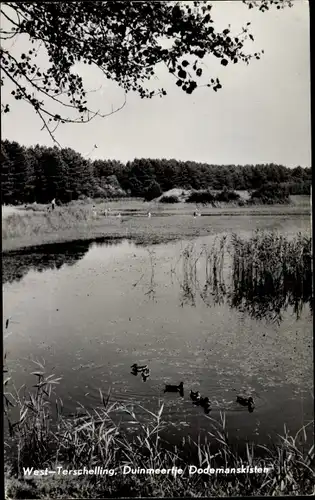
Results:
262 275
270 273
41 438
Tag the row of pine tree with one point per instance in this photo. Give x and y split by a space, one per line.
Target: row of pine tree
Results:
41 173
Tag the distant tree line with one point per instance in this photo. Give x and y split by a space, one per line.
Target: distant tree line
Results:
41 173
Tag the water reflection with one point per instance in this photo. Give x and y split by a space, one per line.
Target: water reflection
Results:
263 284
17 264
152 285
262 276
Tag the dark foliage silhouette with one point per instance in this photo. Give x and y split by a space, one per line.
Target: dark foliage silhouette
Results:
40 174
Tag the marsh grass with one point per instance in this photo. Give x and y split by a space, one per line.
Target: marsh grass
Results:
42 436
262 275
40 222
270 273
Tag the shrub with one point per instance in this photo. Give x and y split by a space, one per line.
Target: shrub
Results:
227 196
270 193
169 199
153 191
203 196
301 188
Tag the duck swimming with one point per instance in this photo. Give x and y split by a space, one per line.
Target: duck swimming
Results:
195 396
137 368
175 388
205 404
145 374
249 402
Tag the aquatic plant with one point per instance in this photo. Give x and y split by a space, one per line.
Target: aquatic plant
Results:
268 273
40 437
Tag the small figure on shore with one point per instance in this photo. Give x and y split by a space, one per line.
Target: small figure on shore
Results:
149 214
53 203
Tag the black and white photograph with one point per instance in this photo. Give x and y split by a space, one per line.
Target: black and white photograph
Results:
157 278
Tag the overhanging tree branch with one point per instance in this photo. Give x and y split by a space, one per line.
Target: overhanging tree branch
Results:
125 40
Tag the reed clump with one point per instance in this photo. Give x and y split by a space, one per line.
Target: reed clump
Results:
41 436
262 275
271 272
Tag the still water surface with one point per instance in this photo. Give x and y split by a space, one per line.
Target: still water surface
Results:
91 310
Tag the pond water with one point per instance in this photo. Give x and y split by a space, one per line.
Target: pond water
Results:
92 309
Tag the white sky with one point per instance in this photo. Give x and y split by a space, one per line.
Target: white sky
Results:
261 115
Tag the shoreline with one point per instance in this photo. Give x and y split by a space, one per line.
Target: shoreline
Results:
134 227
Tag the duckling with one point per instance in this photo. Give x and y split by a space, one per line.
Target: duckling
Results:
174 388
195 396
249 402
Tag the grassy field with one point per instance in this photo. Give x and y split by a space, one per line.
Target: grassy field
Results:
92 439
35 225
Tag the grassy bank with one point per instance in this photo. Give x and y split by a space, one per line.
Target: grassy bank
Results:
78 221
42 436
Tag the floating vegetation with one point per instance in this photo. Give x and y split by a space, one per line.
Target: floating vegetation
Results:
40 438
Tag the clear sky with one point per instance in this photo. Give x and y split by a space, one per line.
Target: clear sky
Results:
261 115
